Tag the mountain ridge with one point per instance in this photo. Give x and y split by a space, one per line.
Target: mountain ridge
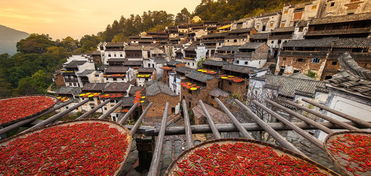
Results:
9 38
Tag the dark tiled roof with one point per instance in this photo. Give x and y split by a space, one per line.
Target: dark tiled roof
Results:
74 64
198 76
116 60
260 36
354 78
158 87
244 55
133 89
116 87
159 60
133 63
85 73
184 70
328 42
228 48
245 30
291 86
252 45
146 70
173 63
284 29
128 101
116 69
216 92
214 63
115 44
353 43
68 90
341 19
239 69
133 47
96 87
324 42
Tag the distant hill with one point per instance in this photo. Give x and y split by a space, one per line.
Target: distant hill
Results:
9 38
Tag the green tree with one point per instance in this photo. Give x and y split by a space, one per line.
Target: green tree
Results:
35 43
89 43
183 16
69 44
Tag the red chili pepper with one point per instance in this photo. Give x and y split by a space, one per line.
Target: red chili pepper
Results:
17 108
78 149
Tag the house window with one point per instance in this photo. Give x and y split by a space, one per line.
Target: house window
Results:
121 55
237 61
235 40
316 60
173 110
284 58
109 55
246 62
332 4
328 77
114 79
105 108
296 71
334 63
300 60
301 29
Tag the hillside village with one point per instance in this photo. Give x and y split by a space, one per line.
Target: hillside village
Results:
289 78
293 53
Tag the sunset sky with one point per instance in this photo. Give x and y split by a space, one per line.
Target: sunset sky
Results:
61 18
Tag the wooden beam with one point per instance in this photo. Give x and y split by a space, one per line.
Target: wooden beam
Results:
155 163
338 113
210 121
187 125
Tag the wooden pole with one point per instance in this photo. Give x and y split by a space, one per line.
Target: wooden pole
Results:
140 119
305 134
330 119
187 125
127 115
280 139
93 110
234 120
105 115
155 163
343 115
56 117
301 117
23 122
210 121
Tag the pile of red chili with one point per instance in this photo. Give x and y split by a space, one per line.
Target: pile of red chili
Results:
240 158
13 109
352 152
75 149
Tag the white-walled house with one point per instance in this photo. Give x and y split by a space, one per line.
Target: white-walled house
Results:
155 63
75 64
192 55
267 22
118 74
145 75
111 50
252 54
